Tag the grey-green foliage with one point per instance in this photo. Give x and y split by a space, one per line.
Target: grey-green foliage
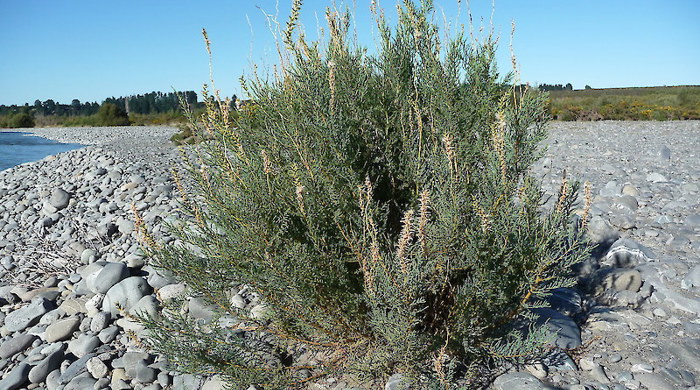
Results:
380 206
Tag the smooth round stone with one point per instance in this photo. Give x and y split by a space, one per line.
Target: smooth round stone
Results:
111 274
171 291
61 330
108 334
59 198
83 345
125 294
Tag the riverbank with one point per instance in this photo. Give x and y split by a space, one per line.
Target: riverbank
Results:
69 256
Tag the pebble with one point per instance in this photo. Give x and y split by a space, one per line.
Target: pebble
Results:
61 330
15 345
51 362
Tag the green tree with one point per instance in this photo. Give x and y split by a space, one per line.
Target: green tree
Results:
110 114
380 207
75 107
21 120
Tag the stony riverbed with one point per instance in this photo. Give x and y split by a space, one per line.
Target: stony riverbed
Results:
69 256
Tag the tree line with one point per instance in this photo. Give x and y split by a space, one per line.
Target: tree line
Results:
149 103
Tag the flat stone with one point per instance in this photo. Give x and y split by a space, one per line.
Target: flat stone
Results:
61 330
656 177
81 383
626 253
16 378
653 381
83 345
51 362
73 306
15 345
518 381
27 316
74 369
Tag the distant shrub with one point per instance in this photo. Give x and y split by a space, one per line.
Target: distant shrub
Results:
110 114
20 120
379 206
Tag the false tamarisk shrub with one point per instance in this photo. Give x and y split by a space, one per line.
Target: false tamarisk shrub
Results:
376 209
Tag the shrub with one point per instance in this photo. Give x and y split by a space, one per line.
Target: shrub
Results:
110 114
379 208
20 120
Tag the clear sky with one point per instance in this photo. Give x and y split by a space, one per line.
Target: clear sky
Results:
91 50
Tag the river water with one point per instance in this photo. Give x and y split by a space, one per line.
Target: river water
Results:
18 148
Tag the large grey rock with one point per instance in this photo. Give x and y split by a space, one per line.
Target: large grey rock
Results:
15 345
567 333
600 231
627 253
51 362
61 330
59 198
518 381
111 274
28 315
16 378
125 294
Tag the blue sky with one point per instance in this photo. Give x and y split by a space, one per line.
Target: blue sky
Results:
91 50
